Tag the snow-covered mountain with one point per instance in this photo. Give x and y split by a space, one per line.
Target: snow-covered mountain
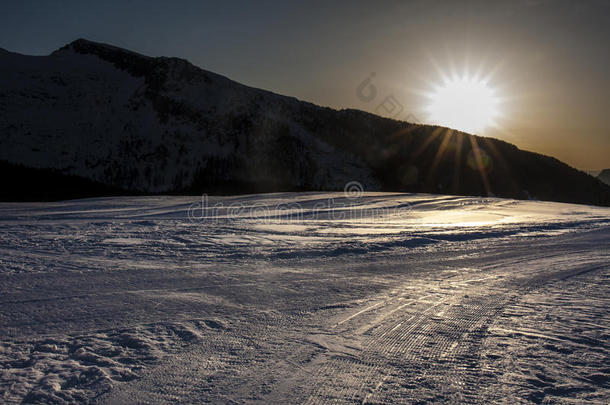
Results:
146 124
154 124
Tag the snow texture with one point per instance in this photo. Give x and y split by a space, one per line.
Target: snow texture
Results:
304 298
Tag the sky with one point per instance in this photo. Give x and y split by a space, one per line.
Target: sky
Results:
547 61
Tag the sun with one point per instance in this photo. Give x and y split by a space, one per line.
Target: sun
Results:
464 103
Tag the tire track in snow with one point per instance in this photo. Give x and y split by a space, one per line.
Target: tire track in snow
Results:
420 341
429 351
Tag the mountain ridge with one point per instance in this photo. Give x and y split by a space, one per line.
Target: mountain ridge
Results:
604 176
162 125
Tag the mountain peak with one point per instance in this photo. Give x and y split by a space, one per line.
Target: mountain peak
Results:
604 176
133 62
86 41
82 44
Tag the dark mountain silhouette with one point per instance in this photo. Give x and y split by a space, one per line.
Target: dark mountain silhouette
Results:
29 184
134 123
604 176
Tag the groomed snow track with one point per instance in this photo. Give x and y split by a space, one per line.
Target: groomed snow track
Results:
457 300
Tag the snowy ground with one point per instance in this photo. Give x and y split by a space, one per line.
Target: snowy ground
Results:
304 298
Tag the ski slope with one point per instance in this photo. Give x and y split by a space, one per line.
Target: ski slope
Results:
304 298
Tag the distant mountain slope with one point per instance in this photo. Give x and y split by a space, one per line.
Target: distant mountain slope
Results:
144 124
604 176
